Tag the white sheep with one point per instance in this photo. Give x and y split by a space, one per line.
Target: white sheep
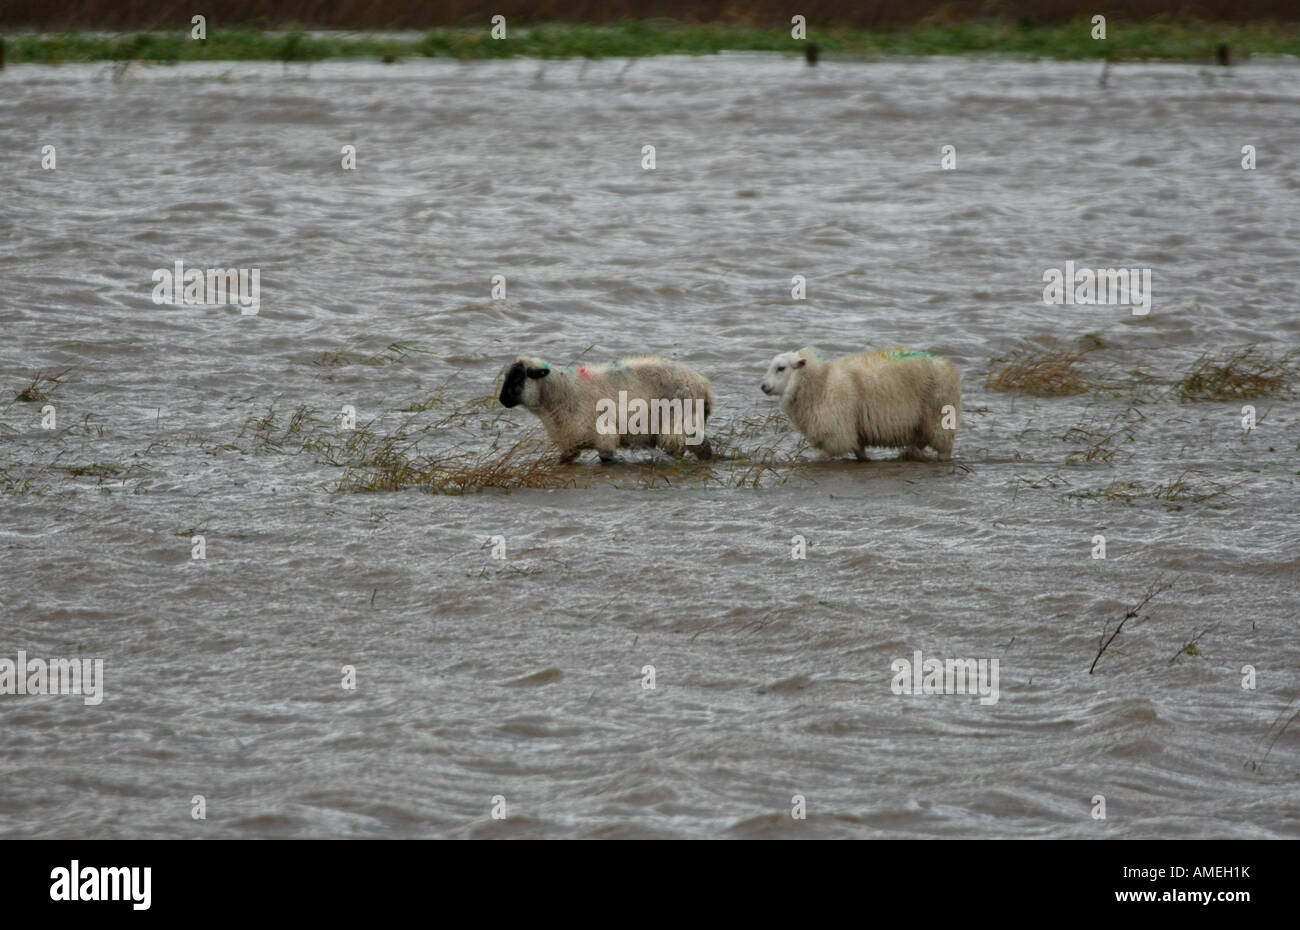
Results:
892 398
644 400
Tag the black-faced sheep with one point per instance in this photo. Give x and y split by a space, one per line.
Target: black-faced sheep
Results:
644 400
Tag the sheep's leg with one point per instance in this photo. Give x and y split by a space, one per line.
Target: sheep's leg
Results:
673 445
703 450
606 446
915 453
860 453
568 455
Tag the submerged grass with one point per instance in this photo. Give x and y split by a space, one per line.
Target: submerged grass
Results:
1048 370
42 383
640 38
393 354
1185 488
1238 373
11 482
440 455
1101 443
390 467
391 462
96 470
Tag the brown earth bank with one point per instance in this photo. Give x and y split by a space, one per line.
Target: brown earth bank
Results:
415 14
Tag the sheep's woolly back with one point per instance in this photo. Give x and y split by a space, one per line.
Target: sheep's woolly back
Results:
567 398
892 397
898 354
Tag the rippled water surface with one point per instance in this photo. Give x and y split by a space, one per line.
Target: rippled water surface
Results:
523 678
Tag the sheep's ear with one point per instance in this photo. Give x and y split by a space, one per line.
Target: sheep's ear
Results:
538 372
800 363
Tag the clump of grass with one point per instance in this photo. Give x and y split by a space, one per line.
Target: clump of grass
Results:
1180 489
1049 370
669 472
1123 491
86 427
395 353
42 383
390 468
392 354
1100 449
261 429
13 483
750 465
1238 373
420 406
97 470
299 418
303 431
731 442
750 469
1050 482
386 468
1100 442
1185 488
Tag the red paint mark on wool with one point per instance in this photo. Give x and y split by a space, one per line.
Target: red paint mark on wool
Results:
582 372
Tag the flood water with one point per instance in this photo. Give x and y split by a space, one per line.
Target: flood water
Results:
523 678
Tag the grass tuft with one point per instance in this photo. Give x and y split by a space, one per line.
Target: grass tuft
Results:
1049 370
38 391
1186 488
1238 373
97 470
390 468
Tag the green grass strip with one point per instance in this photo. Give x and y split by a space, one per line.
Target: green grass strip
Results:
636 38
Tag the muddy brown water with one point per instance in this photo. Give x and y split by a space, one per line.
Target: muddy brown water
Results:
523 677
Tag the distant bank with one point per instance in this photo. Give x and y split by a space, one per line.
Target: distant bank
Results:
1156 40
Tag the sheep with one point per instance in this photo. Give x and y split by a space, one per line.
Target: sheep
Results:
893 398
644 400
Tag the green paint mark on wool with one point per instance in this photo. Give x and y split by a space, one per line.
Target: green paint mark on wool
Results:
897 355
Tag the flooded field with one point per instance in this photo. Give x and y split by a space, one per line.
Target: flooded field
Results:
353 657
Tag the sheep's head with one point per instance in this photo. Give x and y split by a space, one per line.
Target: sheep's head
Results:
522 384
780 372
